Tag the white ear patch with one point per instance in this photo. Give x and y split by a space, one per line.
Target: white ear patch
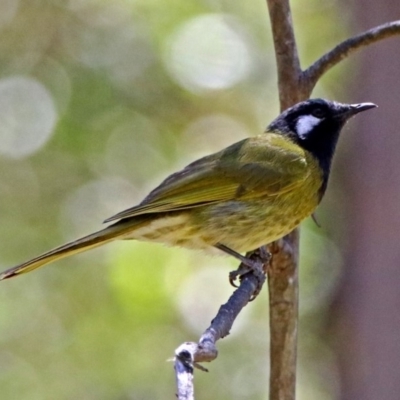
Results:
305 124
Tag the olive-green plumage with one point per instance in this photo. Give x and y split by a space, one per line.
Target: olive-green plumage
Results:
249 194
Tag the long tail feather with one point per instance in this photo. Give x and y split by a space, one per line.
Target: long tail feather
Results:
77 246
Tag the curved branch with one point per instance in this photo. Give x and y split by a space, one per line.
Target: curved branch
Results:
349 46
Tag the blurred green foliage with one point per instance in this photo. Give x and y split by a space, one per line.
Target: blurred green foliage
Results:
99 101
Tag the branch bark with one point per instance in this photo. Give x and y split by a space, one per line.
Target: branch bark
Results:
287 59
283 286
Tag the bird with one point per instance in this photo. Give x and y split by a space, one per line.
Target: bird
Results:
238 199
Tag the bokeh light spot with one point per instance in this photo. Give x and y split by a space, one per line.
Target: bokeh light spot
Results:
209 52
90 204
109 39
211 133
27 116
8 10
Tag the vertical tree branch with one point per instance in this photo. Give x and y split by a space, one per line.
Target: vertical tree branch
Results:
283 300
287 59
283 275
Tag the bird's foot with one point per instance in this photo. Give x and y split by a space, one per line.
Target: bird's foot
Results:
256 264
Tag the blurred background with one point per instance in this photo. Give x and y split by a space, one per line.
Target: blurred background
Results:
99 101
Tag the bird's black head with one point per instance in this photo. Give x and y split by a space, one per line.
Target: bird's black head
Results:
315 126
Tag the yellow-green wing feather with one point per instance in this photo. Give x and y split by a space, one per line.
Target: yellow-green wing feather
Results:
264 165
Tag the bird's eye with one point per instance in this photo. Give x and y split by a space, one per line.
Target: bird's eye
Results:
318 113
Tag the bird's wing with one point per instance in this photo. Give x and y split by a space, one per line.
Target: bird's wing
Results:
264 165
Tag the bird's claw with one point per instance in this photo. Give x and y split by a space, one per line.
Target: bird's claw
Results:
256 264
238 273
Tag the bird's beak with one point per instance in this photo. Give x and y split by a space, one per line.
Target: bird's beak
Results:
357 108
346 111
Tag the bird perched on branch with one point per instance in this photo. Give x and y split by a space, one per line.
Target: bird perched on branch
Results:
238 199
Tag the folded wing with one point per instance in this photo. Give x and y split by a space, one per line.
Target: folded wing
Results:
264 165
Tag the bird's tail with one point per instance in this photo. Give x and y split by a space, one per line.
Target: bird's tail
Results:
77 246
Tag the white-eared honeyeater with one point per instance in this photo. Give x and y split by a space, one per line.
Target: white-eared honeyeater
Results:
238 199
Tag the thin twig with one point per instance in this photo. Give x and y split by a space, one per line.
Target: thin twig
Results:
189 354
183 365
347 47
